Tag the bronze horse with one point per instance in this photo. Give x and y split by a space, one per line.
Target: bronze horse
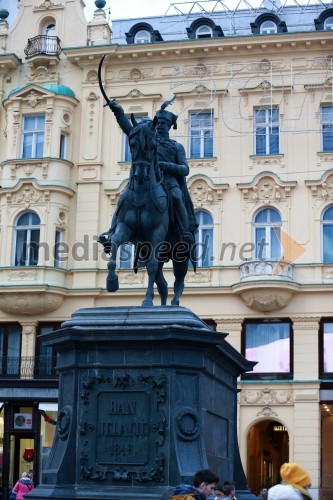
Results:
142 215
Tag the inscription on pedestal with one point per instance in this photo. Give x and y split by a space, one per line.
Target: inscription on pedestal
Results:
122 428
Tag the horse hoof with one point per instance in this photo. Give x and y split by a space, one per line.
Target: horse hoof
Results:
175 302
147 303
112 285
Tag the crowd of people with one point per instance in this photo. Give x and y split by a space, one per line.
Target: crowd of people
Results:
295 485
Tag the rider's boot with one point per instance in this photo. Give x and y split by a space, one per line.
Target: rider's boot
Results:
112 283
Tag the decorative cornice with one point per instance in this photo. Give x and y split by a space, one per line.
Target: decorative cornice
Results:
322 188
266 188
265 86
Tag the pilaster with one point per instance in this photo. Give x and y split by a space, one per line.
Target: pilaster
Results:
306 362
232 326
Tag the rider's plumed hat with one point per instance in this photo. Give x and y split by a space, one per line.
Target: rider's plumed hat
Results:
167 115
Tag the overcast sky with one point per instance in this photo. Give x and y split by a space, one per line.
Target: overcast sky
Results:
125 9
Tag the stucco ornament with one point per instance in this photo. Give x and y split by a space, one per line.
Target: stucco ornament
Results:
266 397
25 304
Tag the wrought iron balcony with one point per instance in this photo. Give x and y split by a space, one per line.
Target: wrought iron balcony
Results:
27 367
43 45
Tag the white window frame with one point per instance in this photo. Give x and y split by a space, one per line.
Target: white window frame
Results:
34 132
57 241
204 31
269 227
202 129
142 36
268 28
63 146
28 228
327 222
326 123
268 125
130 248
126 142
199 214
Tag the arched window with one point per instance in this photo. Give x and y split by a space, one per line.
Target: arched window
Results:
267 224
142 36
327 235
267 28
204 31
49 43
49 29
328 24
27 233
204 239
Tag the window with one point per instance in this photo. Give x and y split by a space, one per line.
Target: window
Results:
142 36
266 125
127 151
267 224
327 236
204 31
125 256
33 136
204 239
201 135
63 146
327 127
268 343
27 233
10 349
328 24
267 28
57 248
326 347
46 357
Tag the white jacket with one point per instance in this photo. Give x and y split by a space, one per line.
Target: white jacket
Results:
284 492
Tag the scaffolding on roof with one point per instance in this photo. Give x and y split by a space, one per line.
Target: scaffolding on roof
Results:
231 7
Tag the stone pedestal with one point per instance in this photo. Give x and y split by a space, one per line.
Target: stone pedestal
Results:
146 398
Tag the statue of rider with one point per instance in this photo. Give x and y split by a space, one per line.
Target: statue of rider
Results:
173 164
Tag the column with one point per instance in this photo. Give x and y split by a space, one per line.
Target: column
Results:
28 349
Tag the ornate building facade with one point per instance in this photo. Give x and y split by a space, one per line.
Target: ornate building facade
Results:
254 101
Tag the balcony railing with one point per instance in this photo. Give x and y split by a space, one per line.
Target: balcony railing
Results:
267 267
43 45
27 367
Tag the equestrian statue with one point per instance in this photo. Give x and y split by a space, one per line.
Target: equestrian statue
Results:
154 212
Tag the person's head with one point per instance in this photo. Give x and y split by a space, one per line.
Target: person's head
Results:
292 473
263 492
30 473
24 474
205 481
228 489
218 491
164 119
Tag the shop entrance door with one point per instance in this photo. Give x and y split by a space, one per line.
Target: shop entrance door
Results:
21 455
267 450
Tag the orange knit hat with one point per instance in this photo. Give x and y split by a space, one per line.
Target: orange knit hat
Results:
295 474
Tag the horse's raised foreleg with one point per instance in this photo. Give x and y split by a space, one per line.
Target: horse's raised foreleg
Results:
162 285
112 282
179 271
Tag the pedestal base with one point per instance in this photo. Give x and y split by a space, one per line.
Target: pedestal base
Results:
147 397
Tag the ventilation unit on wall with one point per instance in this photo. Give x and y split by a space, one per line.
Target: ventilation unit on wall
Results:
22 421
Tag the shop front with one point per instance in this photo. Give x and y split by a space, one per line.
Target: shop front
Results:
27 428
